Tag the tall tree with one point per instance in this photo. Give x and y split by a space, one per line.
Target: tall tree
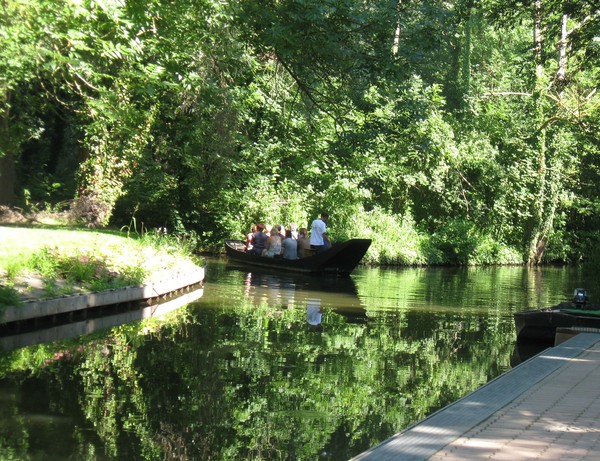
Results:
545 156
18 58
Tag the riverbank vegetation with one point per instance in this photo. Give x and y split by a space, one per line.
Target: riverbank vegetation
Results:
48 262
454 132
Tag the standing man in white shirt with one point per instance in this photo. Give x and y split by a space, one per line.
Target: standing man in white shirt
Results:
318 233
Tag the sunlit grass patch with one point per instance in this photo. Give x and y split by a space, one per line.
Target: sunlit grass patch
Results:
68 260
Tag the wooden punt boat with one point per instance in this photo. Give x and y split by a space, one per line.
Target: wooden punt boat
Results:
340 259
540 325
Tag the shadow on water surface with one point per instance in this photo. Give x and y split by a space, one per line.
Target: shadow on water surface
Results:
524 350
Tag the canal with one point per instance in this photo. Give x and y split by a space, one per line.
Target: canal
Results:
272 366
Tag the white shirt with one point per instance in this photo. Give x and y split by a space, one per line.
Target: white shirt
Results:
317 230
313 311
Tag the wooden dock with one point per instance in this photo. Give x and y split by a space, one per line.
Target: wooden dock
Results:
545 408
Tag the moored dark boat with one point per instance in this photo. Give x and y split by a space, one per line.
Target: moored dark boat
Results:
540 325
340 259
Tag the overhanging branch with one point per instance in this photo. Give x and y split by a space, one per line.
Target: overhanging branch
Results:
308 92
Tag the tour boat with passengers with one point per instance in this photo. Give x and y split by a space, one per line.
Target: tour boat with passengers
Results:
340 259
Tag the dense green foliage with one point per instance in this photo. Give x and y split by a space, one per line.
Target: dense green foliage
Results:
440 129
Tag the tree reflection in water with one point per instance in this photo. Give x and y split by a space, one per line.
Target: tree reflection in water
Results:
241 374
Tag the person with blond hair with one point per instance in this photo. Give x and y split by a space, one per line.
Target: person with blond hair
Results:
273 247
303 243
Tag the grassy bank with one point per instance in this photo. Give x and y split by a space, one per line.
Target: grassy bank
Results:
48 262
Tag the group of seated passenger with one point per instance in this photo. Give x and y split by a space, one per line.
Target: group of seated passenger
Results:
277 242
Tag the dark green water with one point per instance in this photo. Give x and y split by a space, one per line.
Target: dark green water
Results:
242 375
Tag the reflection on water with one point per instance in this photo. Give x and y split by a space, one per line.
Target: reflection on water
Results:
98 323
246 373
314 314
337 295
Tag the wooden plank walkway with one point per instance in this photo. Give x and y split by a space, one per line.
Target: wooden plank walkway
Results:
545 408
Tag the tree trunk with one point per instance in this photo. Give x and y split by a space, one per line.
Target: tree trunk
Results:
561 74
548 160
7 159
537 232
538 41
466 62
7 180
396 40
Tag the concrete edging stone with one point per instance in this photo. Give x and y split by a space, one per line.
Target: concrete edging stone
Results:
44 308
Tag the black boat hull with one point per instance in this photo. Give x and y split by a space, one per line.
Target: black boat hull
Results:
340 259
541 325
